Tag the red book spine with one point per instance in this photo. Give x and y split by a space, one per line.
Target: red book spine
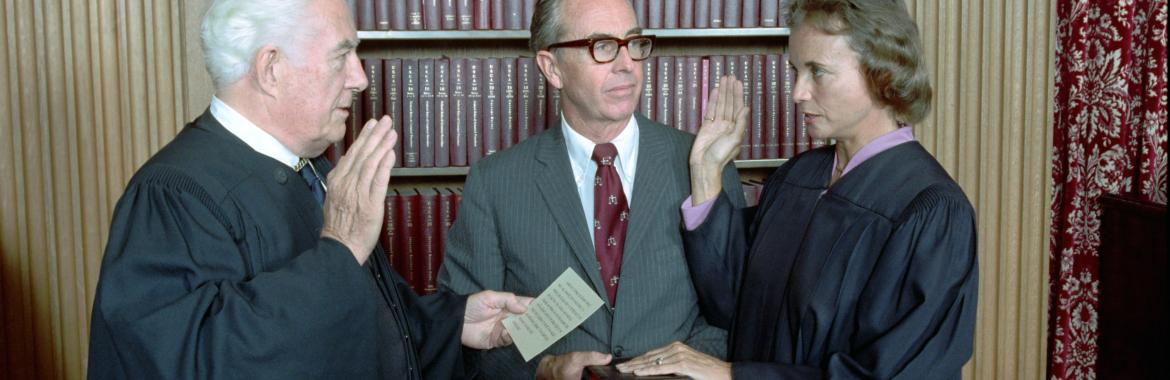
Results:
410 113
704 87
497 14
802 137
694 105
406 238
382 14
491 106
787 145
357 119
429 205
654 17
414 15
426 113
702 14
388 227
731 13
442 113
649 77
458 112
664 111
670 14
686 14
450 15
513 14
773 112
432 15
757 107
367 15
554 106
447 207
781 15
524 103
750 18
474 110
466 12
399 19
680 93
529 10
507 102
373 96
769 12
540 108
641 8
392 100
744 73
483 15
716 13
715 71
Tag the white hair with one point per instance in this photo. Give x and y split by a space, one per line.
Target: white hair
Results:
233 30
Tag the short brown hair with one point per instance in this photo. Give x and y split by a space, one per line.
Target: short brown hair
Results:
887 44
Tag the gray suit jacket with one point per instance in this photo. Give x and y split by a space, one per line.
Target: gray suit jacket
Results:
520 224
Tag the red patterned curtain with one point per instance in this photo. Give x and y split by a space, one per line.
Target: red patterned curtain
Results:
1109 137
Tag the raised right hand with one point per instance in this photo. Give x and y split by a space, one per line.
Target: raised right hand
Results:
356 200
719 139
569 366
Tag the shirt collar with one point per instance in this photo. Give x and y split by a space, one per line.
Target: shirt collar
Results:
878 145
256 138
581 149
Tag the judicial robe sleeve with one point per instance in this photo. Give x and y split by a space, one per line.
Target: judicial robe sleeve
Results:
916 316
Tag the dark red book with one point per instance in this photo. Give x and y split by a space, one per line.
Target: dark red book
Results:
382 14
524 98
649 78
398 17
459 120
732 13
715 70
475 114
442 113
641 12
507 102
392 100
702 14
705 86
554 106
654 16
529 10
483 15
716 13
540 108
491 105
773 112
410 113
782 14
429 254
758 85
686 14
744 73
466 13
680 93
447 207
750 16
769 12
498 14
670 14
432 15
373 94
387 238
694 81
788 143
803 140
366 15
426 113
664 97
450 15
357 120
513 14
406 236
414 14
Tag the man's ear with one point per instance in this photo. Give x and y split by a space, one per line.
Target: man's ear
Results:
547 61
267 67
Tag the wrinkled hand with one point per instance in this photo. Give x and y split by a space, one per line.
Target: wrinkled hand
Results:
356 201
481 320
678 358
719 138
569 366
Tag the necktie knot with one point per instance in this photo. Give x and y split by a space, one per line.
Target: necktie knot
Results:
603 154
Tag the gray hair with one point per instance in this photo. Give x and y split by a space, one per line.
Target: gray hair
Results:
547 24
233 30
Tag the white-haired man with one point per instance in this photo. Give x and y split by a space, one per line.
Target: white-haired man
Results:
236 252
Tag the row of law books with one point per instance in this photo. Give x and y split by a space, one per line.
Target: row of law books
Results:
517 14
444 14
451 112
414 232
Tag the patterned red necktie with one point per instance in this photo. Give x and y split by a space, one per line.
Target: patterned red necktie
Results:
611 215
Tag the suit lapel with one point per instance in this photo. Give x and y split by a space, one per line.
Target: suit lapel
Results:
650 179
560 195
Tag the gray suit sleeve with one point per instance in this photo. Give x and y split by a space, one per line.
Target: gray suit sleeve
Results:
473 261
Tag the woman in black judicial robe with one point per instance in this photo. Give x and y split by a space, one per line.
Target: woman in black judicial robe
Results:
859 261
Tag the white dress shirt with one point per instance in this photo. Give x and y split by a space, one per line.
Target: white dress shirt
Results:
252 135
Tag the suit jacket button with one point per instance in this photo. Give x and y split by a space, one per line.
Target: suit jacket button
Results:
618 351
280 176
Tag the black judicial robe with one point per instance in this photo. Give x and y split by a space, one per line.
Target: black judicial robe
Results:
214 269
876 278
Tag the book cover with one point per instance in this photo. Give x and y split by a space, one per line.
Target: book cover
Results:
769 12
716 13
649 77
491 105
513 14
670 14
732 13
442 113
414 14
540 108
694 81
426 113
410 113
429 252
459 119
750 17
366 14
387 239
788 143
773 112
450 15
702 14
483 15
680 93
664 97
497 14
525 100
406 236
392 100
507 102
466 12
475 114
399 18
686 14
744 73
758 85
654 15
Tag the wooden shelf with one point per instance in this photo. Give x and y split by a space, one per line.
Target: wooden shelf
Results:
458 171
437 35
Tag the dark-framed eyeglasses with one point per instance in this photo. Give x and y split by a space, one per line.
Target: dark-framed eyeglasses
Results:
605 49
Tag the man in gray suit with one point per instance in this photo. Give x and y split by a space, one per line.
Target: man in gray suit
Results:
559 200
